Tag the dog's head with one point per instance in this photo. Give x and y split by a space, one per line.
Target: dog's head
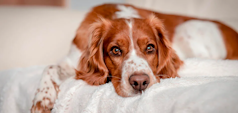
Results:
134 53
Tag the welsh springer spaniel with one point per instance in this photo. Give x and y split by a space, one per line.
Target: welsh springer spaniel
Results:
132 48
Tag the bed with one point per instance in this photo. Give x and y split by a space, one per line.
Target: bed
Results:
39 36
204 86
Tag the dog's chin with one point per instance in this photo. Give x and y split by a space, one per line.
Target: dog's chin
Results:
136 93
130 93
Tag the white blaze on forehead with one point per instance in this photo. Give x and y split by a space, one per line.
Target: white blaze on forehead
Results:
129 23
126 12
196 38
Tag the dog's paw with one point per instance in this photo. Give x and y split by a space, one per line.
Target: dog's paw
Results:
46 94
42 107
44 99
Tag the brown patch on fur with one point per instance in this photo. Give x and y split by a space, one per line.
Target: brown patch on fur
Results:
230 38
169 62
92 67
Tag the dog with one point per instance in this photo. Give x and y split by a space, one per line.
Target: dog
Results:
133 48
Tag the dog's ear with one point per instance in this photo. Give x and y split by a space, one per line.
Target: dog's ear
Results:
169 62
92 68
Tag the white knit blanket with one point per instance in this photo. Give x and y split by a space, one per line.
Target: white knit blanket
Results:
205 86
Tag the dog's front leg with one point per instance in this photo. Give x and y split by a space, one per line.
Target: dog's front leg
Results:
48 88
52 77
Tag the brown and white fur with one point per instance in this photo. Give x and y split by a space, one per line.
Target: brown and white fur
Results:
125 45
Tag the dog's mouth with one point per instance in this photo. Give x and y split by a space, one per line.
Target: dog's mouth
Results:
109 78
138 92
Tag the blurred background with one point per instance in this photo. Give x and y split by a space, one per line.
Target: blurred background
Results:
39 32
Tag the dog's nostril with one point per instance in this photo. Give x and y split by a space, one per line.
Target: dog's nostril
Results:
139 82
144 83
135 83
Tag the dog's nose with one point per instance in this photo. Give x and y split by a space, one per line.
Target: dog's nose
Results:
139 82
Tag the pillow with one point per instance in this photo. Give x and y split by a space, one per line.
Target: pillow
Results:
36 35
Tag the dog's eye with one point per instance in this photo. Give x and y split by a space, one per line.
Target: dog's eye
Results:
150 48
116 51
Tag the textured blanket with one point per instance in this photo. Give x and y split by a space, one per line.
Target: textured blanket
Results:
205 86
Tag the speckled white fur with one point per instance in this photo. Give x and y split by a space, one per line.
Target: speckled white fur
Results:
46 92
196 38
46 88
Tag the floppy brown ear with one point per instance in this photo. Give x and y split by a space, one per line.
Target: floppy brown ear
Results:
92 68
169 62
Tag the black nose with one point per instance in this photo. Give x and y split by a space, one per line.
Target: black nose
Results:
139 82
